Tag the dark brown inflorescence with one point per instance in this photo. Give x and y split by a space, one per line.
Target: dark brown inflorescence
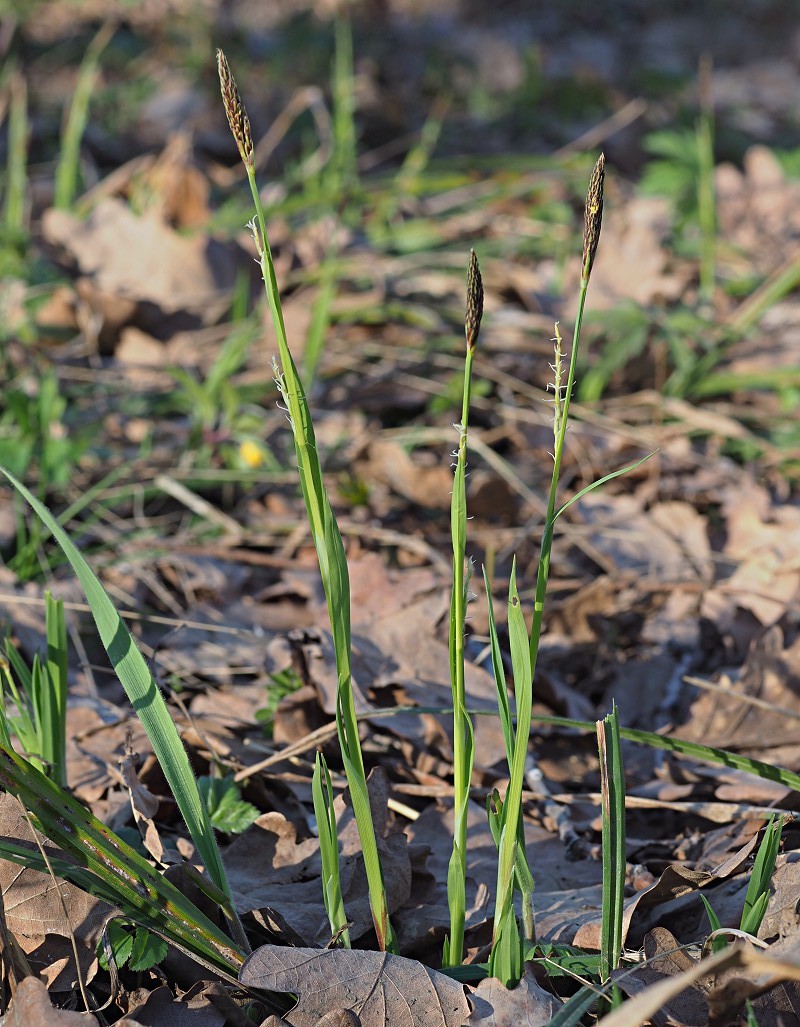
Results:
472 321
593 216
235 110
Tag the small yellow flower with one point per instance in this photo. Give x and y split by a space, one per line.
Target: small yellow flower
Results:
251 454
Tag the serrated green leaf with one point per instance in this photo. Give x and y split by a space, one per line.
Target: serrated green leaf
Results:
146 951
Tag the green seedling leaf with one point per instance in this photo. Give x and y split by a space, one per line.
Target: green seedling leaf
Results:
132 946
718 943
612 787
147 950
564 960
228 810
120 941
757 897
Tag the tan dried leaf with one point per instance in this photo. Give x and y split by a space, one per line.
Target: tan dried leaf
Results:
381 988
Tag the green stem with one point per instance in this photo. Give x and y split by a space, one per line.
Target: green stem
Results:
550 518
335 580
462 726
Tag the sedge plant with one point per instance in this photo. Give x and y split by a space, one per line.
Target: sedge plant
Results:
463 739
508 948
324 528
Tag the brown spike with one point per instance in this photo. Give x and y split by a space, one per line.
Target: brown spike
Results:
235 110
472 321
593 216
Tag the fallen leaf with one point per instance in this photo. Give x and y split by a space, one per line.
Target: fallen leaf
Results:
31 1007
44 913
268 867
161 1009
526 1005
381 988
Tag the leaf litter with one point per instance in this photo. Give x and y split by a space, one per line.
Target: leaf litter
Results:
687 568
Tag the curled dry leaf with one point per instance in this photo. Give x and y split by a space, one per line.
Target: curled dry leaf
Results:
31 1007
762 971
380 988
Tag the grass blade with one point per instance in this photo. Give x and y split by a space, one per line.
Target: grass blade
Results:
66 180
322 795
757 896
506 958
612 787
116 872
50 700
148 703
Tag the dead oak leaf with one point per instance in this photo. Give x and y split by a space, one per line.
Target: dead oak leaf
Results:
31 1007
527 1005
379 987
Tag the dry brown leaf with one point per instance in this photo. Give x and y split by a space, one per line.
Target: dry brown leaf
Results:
763 541
657 996
771 674
35 913
268 867
161 1009
666 960
381 988
389 464
526 1005
758 209
782 917
672 884
667 542
131 263
31 1007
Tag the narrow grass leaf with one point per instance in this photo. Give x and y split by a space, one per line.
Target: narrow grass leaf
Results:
612 787
505 961
50 698
718 943
109 868
696 750
66 177
602 481
498 670
146 698
571 1014
757 896
322 796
